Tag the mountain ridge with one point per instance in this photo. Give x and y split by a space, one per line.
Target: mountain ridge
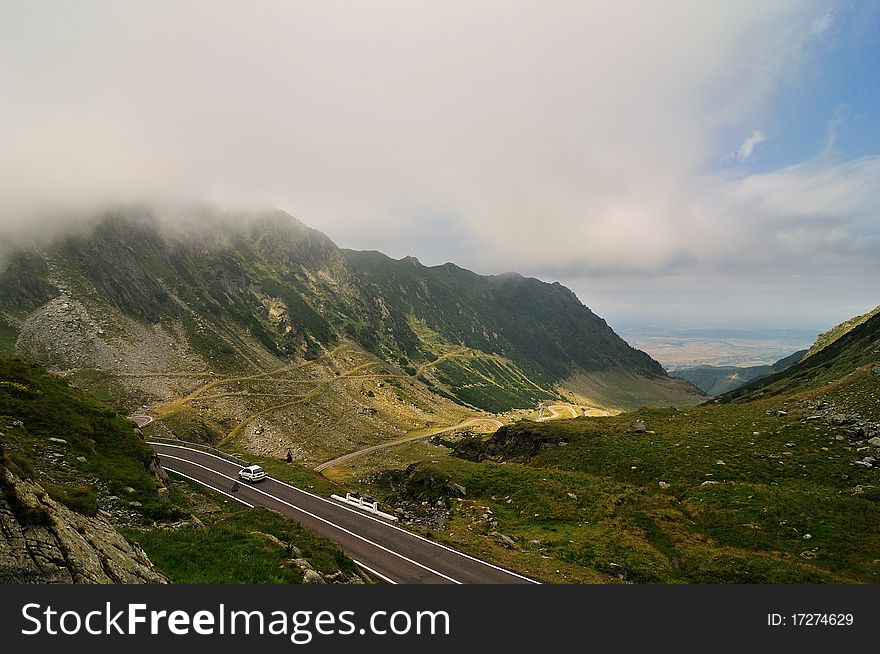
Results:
234 293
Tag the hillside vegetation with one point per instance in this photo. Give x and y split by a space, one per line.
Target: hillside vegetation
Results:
69 465
235 294
852 352
825 339
717 380
776 482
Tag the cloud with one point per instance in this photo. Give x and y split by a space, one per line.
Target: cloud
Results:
745 150
566 137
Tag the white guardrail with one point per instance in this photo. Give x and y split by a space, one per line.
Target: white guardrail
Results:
364 505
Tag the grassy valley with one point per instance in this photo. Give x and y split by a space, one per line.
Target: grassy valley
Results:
775 483
392 378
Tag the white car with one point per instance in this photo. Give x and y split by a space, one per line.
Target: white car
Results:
252 474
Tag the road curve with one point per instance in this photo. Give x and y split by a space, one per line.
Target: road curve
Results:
141 420
381 446
388 551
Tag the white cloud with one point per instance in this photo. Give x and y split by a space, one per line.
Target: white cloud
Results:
747 147
567 136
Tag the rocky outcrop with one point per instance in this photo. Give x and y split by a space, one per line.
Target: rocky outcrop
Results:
42 541
861 436
509 443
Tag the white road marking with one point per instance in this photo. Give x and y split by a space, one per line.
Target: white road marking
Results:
363 515
201 483
371 571
317 517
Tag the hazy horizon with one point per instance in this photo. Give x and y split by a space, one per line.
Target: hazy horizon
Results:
675 164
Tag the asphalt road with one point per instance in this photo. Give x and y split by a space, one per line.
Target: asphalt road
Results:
389 552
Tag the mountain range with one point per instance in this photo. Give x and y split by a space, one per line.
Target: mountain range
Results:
232 294
443 394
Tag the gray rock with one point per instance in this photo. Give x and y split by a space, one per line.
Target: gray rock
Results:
49 543
874 441
457 489
313 577
638 427
57 440
664 485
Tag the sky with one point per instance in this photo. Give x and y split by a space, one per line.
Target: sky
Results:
681 163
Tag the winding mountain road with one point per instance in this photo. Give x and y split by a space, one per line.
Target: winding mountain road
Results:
383 549
440 430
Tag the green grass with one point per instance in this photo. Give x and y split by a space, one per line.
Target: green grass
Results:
101 453
487 384
8 336
190 424
233 549
81 498
774 487
825 339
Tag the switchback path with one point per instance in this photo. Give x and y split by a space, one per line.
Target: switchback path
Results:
413 437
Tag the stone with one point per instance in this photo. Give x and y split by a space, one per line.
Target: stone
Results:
572 496
874 441
781 413
638 427
313 577
664 485
807 536
58 440
710 483
457 489
57 545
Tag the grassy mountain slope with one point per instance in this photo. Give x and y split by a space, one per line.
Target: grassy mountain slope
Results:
775 482
825 339
853 351
717 380
232 294
58 441
541 327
